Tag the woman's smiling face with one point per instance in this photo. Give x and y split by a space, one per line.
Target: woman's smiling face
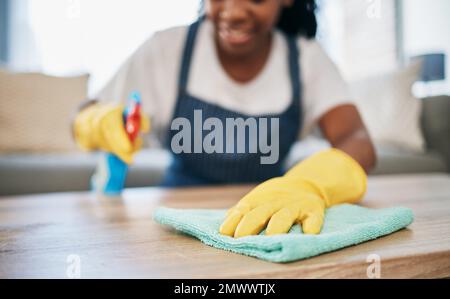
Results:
242 27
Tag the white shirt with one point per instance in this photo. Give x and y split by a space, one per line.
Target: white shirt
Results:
154 68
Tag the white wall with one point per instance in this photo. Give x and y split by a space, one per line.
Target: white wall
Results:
23 52
66 37
359 35
426 26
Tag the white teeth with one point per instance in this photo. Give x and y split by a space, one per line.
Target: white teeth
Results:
235 35
238 33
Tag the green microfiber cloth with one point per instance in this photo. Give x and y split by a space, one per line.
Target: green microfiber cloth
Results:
344 225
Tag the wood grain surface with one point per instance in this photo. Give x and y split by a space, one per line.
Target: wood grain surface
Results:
118 238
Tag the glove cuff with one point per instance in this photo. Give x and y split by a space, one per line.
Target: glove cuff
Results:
358 175
82 128
337 176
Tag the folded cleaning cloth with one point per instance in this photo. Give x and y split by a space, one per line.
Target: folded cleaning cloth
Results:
344 225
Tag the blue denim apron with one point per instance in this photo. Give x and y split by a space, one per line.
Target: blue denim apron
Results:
193 169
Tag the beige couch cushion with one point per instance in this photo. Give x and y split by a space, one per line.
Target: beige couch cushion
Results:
36 111
389 109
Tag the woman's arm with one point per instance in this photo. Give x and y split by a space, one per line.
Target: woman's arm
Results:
345 130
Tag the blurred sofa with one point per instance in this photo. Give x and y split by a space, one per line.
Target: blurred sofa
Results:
40 173
38 155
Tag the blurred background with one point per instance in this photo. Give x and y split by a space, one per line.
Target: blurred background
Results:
56 53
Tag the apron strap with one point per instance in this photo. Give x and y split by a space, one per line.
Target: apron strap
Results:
187 57
294 71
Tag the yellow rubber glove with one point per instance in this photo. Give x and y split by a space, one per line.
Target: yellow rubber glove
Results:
300 196
101 127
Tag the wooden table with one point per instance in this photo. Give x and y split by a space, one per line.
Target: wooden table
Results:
42 236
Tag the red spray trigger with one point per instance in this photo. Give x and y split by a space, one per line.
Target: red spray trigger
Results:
133 117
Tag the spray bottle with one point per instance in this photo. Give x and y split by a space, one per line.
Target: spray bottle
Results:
109 178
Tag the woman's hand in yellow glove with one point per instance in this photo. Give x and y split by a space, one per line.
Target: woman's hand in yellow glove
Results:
100 126
327 178
278 204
